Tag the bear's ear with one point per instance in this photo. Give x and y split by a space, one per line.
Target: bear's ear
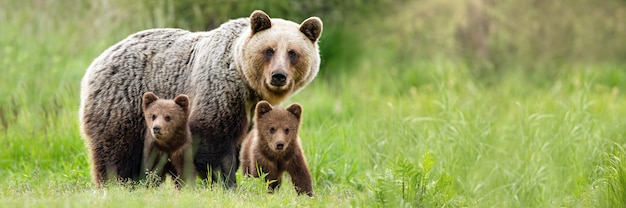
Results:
148 98
296 110
183 101
312 28
259 21
262 108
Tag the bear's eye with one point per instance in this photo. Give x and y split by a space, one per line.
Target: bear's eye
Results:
292 55
272 130
269 52
287 131
153 117
168 118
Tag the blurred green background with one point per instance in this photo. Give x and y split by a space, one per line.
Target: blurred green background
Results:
479 103
490 35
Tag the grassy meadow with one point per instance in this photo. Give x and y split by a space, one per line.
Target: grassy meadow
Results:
383 128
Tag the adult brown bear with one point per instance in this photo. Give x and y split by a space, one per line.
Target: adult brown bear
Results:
225 72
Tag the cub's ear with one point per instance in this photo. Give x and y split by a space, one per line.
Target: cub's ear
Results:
312 28
148 98
263 107
183 101
259 21
296 110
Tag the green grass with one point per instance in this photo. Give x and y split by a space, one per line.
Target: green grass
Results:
376 133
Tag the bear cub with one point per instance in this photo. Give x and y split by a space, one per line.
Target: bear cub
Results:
167 142
273 147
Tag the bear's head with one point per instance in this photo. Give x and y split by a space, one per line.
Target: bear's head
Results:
277 128
166 119
278 57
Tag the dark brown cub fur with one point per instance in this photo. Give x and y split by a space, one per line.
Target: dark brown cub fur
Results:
167 144
273 147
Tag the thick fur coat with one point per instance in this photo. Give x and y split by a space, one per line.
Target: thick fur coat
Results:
225 72
273 147
167 144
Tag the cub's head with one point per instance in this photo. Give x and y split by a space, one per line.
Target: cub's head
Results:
279 57
165 118
278 127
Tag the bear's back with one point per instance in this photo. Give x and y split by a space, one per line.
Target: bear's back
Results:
111 118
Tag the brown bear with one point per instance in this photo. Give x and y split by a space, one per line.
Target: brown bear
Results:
273 147
224 71
167 144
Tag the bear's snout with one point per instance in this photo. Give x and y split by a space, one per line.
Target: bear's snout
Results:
156 130
280 145
279 78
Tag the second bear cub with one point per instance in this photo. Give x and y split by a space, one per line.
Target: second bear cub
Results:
167 144
273 147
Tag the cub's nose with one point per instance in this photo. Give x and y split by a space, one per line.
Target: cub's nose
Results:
156 129
280 145
279 78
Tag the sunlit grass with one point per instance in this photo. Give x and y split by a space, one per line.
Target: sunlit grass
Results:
381 133
513 143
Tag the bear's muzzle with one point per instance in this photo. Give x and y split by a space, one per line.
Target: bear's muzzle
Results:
280 145
279 78
156 130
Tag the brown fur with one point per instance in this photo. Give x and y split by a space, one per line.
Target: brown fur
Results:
224 71
167 145
273 147
273 48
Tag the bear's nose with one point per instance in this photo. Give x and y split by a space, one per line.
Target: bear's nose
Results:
156 129
280 145
279 78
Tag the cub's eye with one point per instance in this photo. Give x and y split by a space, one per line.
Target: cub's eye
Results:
269 52
153 117
292 55
168 118
287 131
272 130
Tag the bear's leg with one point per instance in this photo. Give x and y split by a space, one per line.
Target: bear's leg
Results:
276 179
124 166
129 167
272 174
114 129
188 169
300 176
182 169
155 165
202 164
216 154
99 169
205 169
201 170
228 168
248 168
